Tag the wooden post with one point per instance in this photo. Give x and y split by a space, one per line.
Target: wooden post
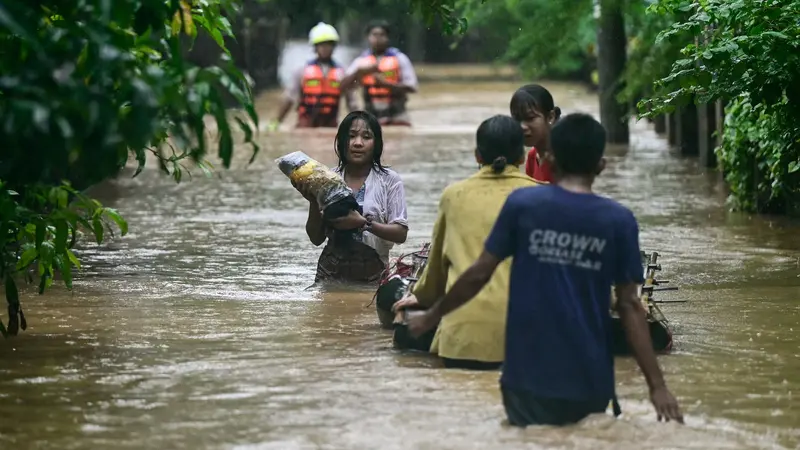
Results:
611 57
706 127
687 137
671 126
719 113
660 124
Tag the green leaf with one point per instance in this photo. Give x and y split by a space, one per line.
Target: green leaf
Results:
73 259
177 173
66 270
216 35
176 23
61 235
115 216
246 129
794 166
41 230
776 34
7 20
28 256
43 283
97 227
63 198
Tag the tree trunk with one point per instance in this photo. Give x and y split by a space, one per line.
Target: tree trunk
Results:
660 124
687 130
706 126
611 56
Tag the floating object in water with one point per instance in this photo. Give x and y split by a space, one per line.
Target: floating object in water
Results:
660 332
402 277
334 197
399 280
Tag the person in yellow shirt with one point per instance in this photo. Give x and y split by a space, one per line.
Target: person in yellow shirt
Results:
473 337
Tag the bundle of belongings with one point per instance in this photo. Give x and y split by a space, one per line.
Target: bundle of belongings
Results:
334 197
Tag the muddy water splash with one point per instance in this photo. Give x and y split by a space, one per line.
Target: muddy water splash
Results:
197 330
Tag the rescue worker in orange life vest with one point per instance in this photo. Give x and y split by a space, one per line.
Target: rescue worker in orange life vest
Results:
386 76
316 87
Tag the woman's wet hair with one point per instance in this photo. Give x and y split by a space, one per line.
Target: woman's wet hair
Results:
500 142
378 24
578 142
533 96
341 143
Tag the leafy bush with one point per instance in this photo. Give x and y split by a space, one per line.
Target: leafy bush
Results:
86 85
746 52
759 154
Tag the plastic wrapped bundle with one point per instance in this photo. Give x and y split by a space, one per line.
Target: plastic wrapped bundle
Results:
335 199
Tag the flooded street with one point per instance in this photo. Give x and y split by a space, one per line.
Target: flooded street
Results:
197 330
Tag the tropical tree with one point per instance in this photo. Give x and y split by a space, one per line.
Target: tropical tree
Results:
85 86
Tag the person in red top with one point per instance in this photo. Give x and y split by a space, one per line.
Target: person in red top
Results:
533 106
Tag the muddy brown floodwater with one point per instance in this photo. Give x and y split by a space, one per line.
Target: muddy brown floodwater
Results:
197 330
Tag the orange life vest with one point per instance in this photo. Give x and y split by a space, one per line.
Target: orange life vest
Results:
389 67
320 93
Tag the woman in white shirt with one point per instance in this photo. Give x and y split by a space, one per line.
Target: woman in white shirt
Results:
360 256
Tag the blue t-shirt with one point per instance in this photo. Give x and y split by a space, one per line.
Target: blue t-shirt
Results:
569 249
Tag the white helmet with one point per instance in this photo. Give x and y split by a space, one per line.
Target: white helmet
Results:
322 32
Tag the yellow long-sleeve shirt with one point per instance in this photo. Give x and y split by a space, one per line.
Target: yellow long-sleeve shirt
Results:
467 212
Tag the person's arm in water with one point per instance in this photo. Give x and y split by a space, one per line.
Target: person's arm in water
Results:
464 289
355 72
632 314
290 96
350 99
499 245
283 110
634 321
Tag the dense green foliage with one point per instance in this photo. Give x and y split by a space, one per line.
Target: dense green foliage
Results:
304 14
747 53
543 37
86 85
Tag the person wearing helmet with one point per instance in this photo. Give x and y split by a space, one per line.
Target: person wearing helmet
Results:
316 87
386 75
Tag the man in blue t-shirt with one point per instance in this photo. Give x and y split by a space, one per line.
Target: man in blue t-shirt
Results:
569 247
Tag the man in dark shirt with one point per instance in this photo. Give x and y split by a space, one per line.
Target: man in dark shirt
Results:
569 247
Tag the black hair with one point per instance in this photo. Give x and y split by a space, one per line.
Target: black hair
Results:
341 144
500 142
578 142
533 96
379 24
